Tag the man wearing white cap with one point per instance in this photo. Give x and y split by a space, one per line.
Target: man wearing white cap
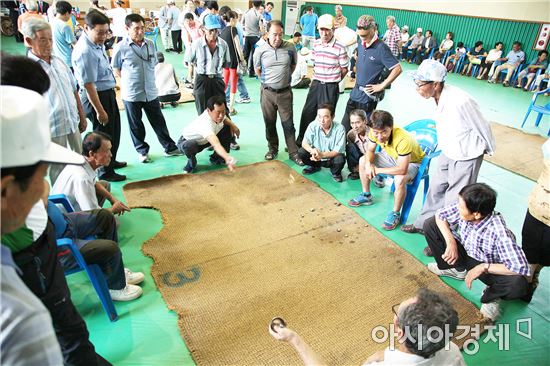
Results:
331 66
26 334
416 41
463 135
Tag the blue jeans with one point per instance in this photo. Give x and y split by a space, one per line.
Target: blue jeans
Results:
104 250
241 87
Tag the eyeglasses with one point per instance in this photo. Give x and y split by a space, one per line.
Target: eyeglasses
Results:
418 86
395 308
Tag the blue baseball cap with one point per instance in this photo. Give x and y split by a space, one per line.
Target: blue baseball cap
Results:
212 21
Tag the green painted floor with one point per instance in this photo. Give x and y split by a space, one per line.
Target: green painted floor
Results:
147 333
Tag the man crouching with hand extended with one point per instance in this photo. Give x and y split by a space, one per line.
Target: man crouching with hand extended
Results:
469 240
211 128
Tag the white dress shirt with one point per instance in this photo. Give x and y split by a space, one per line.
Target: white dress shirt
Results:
462 131
77 182
443 357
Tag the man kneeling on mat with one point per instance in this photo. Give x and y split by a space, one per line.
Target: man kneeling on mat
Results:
415 344
211 128
479 245
400 157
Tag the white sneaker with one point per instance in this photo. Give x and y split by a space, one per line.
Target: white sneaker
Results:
451 272
130 292
144 158
491 310
133 278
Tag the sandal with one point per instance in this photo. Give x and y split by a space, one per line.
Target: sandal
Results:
233 112
411 229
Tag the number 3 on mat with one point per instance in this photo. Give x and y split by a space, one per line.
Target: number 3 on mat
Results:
191 275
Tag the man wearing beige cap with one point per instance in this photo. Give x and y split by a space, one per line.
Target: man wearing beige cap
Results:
331 66
463 135
26 333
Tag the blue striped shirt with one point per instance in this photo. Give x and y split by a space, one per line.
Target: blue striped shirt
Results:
137 69
206 62
488 241
63 115
91 64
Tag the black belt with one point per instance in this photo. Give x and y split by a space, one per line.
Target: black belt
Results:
210 76
327 82
278 91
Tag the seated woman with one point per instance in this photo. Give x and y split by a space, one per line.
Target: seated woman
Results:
453 59
475 56
488 62
446 45
531 70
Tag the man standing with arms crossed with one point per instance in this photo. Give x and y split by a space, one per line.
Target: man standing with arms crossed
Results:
97 82
274 62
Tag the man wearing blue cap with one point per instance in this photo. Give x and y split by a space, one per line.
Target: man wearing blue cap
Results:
209 53
463 135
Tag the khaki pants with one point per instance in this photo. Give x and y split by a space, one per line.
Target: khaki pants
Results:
508 67
271 103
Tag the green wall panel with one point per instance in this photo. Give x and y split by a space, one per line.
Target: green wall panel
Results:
466 29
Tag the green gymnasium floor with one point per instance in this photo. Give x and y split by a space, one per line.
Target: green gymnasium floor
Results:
147 333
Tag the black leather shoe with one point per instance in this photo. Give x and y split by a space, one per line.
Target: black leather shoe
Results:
353 175
113 177
337 178
310 170
120 164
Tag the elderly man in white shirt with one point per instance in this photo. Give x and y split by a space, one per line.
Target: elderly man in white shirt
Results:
463 135
79 182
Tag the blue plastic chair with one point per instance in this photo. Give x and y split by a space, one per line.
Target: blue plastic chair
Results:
532 86
155 34
92 270
538 108
425 134
461 62
447 54
505 72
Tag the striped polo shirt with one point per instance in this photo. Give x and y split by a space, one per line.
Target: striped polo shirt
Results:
330 59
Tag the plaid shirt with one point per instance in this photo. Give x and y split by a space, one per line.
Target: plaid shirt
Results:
392 39
488 241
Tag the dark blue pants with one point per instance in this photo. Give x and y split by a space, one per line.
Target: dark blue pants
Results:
157 121
353 154
191 147
104 250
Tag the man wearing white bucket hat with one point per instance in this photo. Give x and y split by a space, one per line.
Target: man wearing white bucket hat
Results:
26 335
463 135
